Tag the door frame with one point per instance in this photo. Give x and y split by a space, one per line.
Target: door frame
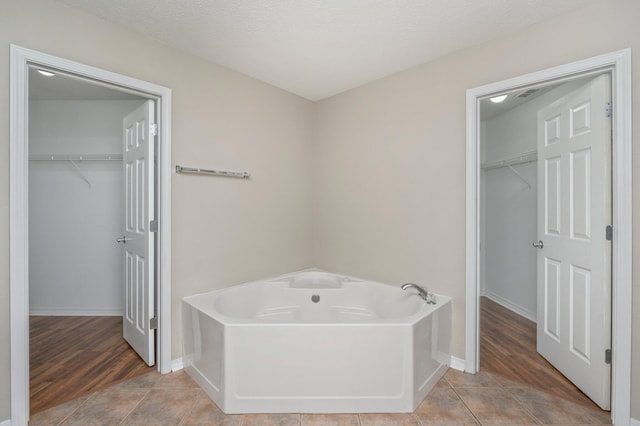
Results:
20 60
619 64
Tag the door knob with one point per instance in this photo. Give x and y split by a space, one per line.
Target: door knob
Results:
122 240
538 244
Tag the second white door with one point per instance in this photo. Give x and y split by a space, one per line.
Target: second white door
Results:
139 252
574 257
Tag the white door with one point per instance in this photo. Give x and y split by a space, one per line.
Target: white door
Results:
574 257
139 135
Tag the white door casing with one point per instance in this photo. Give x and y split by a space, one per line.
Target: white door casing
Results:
139 249
619 63
20 59
574 260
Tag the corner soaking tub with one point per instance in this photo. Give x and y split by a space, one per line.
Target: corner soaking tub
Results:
314 342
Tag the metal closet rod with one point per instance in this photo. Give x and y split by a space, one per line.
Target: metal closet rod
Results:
243 175
75 157
525 157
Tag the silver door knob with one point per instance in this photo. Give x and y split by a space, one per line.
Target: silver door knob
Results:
538 244
122 240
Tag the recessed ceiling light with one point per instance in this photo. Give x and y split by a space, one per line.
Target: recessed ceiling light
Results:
498 99
46 73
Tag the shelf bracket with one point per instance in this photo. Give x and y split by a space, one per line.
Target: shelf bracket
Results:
82 176
519 175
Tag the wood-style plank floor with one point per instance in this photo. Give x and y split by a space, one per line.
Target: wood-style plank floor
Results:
508 349
70 357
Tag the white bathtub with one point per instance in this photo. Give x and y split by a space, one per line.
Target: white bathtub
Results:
313 342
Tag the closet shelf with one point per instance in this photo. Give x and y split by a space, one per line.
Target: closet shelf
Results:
75 157
525 157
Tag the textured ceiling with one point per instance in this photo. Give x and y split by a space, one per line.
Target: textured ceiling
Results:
318 48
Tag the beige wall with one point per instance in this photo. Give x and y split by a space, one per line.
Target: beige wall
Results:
225 231
389 158
382 189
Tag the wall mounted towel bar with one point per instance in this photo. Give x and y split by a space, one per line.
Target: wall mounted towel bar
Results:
243 175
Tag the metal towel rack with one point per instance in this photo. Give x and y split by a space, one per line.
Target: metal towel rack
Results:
243 175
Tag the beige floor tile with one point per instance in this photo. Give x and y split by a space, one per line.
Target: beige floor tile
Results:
458 379
109 406
271 420
442 383
144 382
506 382
163 407
444 407
393 419
549 409
178 379
330 420
55 415
458 398
206 413
495 406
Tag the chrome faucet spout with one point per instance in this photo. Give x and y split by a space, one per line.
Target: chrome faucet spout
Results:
424 294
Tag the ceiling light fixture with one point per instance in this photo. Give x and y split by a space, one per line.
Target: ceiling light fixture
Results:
498 99
46 73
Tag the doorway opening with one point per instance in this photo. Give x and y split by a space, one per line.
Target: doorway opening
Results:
513 305
618 64
76 214
21 170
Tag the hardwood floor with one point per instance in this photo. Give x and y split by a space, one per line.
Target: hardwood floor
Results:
508 348
71 357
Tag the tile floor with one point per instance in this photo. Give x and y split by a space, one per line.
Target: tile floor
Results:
458 399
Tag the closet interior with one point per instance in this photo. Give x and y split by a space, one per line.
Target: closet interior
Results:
76 213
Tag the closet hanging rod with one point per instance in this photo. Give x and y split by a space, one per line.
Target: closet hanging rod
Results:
75 157
243 175
525 157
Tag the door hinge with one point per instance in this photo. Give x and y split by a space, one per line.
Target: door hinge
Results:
153 129
153 323
607 356
153 226
608 109
608 233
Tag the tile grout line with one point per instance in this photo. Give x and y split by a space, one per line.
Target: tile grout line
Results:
528 411
466 406
135 406
64 419
184 418
417 419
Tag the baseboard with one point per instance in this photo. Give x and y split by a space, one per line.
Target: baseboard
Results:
633 422
6 423
176 365
531 316
457 363
75 312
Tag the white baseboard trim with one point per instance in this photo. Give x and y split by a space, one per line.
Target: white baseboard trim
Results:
75 312
531 316
6 423
457 363
176 365
633 422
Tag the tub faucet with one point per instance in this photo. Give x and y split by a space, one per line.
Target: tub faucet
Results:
428 297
